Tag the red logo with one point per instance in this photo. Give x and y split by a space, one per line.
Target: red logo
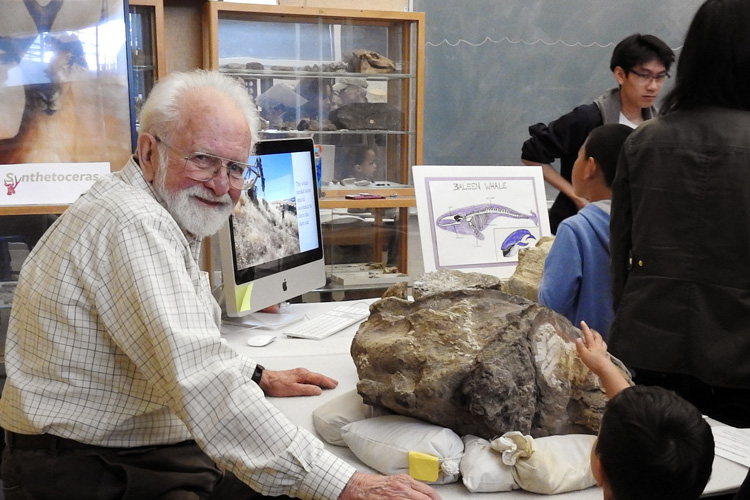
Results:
12 186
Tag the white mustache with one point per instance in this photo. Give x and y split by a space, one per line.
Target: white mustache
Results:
206 194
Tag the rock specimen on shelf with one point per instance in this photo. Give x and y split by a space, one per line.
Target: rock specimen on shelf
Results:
366 116
479 362
528 274
368 61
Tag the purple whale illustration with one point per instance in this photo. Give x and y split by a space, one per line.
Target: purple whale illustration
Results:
516 240
474 219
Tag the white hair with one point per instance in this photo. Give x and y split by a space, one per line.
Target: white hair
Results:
161 113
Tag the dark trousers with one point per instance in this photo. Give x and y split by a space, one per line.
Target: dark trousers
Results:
64 470
727 405
744 493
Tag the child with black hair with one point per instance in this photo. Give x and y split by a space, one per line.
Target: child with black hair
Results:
360 163
576 279
652 444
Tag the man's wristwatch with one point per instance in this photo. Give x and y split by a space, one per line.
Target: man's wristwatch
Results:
258 373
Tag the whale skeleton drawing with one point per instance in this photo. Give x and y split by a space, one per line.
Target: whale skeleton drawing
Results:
475 219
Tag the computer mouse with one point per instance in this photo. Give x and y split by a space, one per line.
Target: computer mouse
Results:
260 340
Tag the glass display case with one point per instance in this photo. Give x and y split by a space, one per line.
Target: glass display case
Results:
146 37
353 81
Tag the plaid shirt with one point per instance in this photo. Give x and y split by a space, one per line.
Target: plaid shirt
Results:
114 341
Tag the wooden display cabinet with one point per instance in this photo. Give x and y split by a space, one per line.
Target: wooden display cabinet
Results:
147 47
308 70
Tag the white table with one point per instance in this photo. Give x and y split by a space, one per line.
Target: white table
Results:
331 357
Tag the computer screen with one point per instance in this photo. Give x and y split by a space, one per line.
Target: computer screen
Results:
271 248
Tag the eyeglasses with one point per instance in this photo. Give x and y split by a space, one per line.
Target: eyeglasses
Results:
203 167
645 78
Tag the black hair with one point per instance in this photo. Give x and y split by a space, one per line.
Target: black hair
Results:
640 49
604 144
654 445
358 153
714 66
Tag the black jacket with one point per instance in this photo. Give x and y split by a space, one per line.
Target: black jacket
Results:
563 138
681 209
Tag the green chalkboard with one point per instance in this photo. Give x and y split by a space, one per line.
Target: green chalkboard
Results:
494 67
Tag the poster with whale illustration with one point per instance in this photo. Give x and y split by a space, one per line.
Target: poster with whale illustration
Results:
477 218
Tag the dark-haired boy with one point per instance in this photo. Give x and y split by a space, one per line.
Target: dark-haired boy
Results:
576 280
652 444
640 64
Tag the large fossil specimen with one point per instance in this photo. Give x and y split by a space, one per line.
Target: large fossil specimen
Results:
479 362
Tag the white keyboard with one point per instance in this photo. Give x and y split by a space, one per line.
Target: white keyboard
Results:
331 322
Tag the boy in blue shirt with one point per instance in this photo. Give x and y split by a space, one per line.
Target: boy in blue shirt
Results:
576 280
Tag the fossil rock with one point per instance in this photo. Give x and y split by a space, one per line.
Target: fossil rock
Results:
366 116
311 124
479 362
525 280
449 279
368 61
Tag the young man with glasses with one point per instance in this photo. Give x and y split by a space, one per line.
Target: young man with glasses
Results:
119 385
640 64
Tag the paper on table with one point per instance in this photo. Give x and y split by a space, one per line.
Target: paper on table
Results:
732 443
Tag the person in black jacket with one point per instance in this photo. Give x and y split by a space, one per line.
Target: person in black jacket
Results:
640 64
680 226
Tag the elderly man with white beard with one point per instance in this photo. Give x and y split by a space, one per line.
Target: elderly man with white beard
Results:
118 383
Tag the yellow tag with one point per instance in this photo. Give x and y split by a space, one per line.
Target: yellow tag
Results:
243 297
423 467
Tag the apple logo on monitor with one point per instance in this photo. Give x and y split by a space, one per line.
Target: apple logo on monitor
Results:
283 285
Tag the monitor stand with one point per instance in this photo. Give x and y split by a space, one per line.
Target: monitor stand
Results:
269 321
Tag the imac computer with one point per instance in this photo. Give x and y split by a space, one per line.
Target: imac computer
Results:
271 249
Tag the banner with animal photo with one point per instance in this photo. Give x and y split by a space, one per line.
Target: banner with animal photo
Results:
64 90
477 218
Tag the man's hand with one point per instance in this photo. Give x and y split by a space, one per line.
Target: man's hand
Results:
593 352
296 382
402 486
